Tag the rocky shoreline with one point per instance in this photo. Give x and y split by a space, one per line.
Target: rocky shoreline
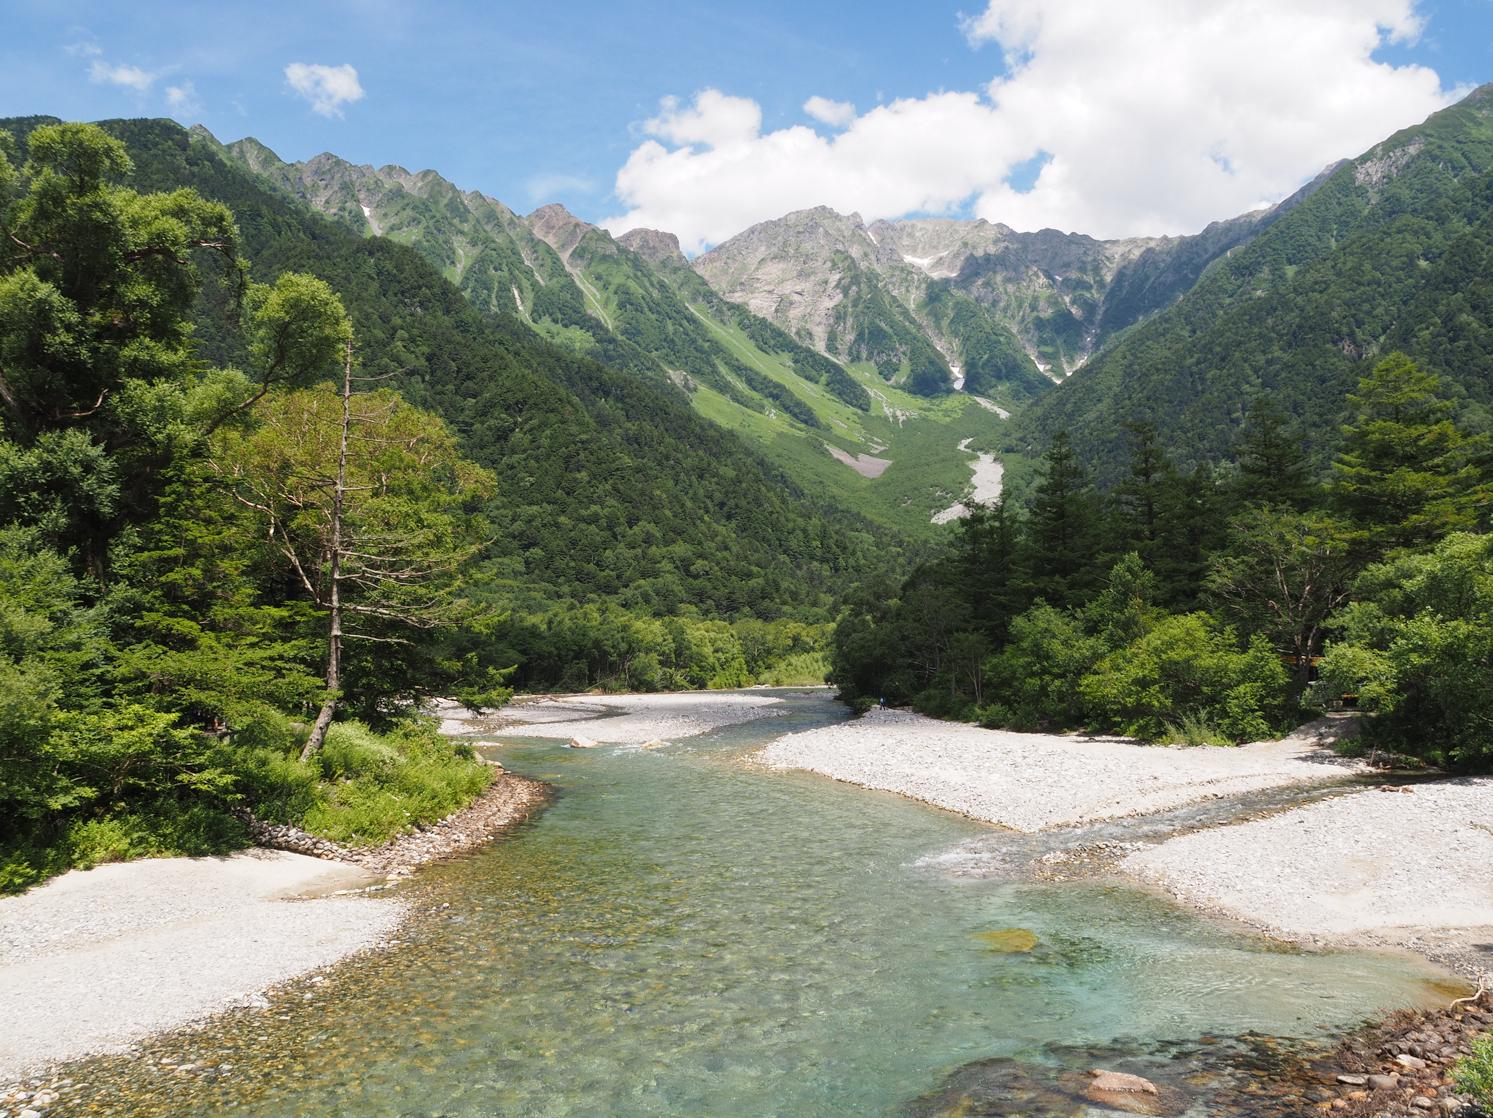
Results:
508 801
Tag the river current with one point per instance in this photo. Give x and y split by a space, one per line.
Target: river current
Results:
682 933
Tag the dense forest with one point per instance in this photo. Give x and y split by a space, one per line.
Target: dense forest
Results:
266 487
1218 603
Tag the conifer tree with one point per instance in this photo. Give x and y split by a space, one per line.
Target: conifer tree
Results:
1062 539
1403 477
1273 469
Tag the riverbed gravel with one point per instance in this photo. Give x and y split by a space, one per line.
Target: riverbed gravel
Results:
613 719
96 960
1380 863
1030 782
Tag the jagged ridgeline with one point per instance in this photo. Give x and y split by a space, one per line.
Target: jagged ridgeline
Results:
609 486
636 303
1389 251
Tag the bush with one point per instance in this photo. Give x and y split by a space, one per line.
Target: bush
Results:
1417 650
1473 1074
1187 671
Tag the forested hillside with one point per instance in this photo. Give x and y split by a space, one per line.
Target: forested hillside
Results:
608 487
1393 250
1192 605
634 304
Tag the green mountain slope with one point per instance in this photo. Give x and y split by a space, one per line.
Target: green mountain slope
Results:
635 304
609 485
1391 250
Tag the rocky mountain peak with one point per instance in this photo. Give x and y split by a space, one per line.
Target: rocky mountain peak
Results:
562 230
654 246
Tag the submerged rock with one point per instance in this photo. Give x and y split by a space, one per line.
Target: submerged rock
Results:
1009 941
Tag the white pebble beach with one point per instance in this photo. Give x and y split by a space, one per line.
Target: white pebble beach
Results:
1030 782
135 948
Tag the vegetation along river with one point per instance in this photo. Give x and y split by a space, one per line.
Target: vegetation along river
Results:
680 933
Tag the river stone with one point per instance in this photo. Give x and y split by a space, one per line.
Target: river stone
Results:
656 743
1382 1082
1116 1082
583 743
1008 941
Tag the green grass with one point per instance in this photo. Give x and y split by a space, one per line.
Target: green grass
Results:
1473 1074
374 787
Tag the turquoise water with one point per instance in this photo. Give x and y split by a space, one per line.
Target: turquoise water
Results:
681 934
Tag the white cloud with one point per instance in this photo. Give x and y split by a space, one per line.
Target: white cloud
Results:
837 114
716 120
326 88
125 76
1159 116
182 99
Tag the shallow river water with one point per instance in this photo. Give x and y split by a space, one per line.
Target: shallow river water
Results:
680 933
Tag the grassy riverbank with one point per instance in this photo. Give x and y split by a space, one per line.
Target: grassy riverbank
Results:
363 789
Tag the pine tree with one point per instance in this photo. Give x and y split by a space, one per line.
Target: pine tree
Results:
1062 539
1403 476
986 567
1273 469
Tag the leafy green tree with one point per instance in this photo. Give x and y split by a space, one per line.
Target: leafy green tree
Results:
97 284
1283 575
369 504
1186 669
1403 474
1416 648
1033 681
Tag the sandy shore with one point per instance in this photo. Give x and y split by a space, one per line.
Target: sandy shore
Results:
1030 782
95 960
612 719
1410 867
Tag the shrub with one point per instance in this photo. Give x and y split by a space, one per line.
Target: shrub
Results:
1473 1074
1186 670
1417 650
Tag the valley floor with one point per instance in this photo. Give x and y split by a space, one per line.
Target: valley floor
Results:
1394 866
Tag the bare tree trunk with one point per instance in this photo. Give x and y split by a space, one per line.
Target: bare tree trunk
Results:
334 595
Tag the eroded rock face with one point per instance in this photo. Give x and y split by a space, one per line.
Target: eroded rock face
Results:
654 246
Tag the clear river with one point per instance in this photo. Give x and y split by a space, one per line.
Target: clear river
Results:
682 933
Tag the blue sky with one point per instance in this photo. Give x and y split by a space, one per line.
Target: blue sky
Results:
541 102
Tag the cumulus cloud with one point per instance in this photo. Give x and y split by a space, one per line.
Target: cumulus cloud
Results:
125 76
837 114
1153 116
325 88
